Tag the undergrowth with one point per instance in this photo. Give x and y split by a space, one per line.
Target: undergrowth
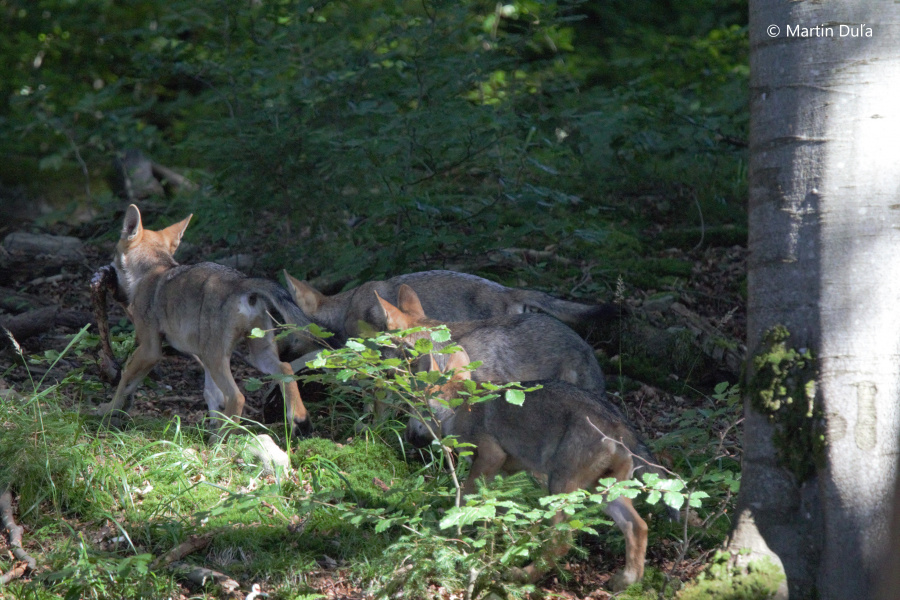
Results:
101 505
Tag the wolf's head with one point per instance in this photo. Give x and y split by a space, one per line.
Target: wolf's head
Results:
418 433
140 250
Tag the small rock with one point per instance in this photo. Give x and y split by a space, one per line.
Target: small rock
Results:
261 450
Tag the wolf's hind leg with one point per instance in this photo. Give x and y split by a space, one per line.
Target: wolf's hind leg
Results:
219 370
264 356
215 399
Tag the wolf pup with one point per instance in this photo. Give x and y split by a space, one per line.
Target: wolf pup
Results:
573 436
445 295
511 348
203 310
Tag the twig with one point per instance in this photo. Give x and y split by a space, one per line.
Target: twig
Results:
189 546
17 571
633 455
15 531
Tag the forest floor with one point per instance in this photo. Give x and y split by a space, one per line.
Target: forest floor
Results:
709 292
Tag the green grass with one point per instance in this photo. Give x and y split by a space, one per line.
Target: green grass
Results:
101 504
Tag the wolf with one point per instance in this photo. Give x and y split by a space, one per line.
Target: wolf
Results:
573 436
445 295
203 310
516 347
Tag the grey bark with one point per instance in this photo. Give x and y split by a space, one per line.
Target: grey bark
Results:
824 254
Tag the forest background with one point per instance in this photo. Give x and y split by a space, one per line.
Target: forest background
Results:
595 150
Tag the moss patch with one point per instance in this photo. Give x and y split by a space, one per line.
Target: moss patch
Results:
782 386
723 580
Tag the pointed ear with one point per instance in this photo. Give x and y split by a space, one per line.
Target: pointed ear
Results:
173 233
132 229
308 298
409 303
394 318
458 360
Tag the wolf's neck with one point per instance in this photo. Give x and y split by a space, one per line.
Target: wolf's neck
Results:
131 270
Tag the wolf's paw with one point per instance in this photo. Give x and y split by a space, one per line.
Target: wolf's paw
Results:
301 428
621 580
109 415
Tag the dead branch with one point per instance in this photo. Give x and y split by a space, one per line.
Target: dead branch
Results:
170 178
201 576
17 571
103 282
189 546
15 531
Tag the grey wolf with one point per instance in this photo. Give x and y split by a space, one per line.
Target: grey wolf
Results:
573 436
516 347
203 310
445 295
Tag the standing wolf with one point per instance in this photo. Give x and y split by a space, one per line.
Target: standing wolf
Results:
203 310
573 436
511 347
445 295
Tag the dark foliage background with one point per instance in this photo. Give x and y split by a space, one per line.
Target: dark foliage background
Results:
352 140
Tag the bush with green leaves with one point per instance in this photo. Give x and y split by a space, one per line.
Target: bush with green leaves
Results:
474 543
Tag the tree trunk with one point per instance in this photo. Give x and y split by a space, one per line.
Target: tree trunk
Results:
824 256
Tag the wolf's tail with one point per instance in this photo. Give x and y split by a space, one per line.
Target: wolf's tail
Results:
580 316
280 299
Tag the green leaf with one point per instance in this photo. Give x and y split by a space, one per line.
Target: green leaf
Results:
423 346
441 335
354 344
318 331
256 332
516 397
467 515
653 497
674 499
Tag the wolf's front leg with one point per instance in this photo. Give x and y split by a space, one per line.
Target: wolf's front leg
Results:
145 356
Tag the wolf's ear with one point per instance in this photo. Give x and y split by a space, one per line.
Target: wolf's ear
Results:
174 233
409 303
457 361
131 227
308 298
394 318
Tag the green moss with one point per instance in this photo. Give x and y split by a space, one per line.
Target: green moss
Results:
362 468
724 580
782 385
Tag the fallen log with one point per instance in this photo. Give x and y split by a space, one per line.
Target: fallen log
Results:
41 320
